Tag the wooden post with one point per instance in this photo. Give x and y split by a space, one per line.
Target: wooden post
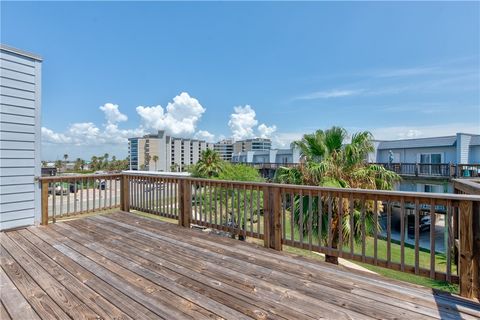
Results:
44 205
272 218
124 193
468 260
184 203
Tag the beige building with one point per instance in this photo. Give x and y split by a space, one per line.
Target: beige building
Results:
161 152
255 144
224 149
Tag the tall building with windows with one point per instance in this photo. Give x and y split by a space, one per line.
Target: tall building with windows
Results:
224 148
161 152
256 144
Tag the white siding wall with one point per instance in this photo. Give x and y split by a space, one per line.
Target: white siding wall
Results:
411 155
20 82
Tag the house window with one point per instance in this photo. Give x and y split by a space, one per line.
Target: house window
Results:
430 163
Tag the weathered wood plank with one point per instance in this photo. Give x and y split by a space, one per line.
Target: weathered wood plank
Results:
3 312
382 287
285 280
43 305
15 303
113 295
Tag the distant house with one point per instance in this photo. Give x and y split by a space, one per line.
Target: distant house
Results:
20 93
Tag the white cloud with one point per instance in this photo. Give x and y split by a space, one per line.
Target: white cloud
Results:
266 131
284 139
242 122
180 117
53 137
112 114
204 135
334 93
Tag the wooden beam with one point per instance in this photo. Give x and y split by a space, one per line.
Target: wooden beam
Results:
184 203
272 217
468 260
124 193
44 202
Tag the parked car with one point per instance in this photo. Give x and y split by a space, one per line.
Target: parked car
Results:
425 223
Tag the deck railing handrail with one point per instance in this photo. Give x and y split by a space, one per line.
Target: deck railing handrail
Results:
296 215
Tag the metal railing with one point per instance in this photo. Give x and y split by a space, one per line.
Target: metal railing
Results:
426 234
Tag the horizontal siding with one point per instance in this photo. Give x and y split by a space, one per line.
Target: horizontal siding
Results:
15 127
19 145
12 118
16 197
12 92
21 85
22 171
5 225
14 136
11 74
12 163
19 111
17 215
16 101
10 56
25 205
19 67
19 126
16 180
17 188
17 154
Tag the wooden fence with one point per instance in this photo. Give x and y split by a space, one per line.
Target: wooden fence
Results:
426 234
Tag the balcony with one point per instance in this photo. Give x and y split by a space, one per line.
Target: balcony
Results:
441 170
119 264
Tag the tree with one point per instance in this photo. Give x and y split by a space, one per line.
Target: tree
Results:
210 164
78 164
58 164
328 160
155 160
147 161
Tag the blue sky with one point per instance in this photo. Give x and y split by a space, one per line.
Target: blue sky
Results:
212 70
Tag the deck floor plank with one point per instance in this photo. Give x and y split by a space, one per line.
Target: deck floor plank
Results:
258 276
407 295
124 266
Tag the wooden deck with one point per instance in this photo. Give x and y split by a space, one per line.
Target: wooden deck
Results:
122 266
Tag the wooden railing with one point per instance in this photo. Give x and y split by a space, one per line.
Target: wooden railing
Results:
434 169
426 234
63 196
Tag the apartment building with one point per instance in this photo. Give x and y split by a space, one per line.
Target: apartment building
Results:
225 149
254 144
277 156
161 152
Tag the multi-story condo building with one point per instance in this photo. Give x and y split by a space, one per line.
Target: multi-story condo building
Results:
161 152
251 145
429 164
272 156
225 149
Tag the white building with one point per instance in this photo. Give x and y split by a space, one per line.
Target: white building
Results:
224 149
161 152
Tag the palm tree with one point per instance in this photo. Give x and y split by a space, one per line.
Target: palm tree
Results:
147 161
155 159
210 164
78 164
327 160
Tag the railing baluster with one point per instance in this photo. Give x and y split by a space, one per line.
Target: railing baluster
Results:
432 238
61 199
352 226
210 203
258 212
283 196
244 217
110 191
448 249
320 219
68 198
417 236
251 211
375 232
301 217
402 234
340 224
389 232
75 190
94 193
330 229
310 220
292 218
362 221
54 202
215 196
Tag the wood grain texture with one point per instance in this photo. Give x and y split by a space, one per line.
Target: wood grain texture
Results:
122 266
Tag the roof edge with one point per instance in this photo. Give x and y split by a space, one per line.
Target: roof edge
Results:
20 52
